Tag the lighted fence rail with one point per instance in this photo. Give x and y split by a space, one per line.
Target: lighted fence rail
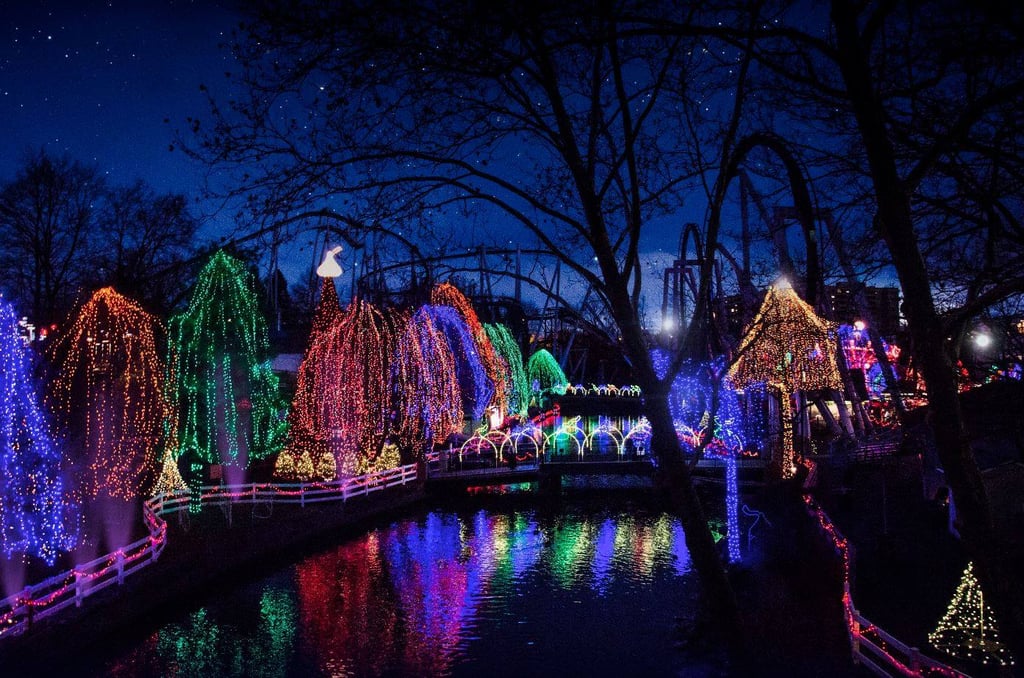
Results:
19 611
871 646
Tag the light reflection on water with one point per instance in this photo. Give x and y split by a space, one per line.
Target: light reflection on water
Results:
496 592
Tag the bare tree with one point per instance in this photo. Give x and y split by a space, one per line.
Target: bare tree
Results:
46 214
911 115
561 125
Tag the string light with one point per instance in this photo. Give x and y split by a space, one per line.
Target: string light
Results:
788 347
428 397
445 294
108 395
508 350
220 376
545 374
968 629
475 385
307 437
37 516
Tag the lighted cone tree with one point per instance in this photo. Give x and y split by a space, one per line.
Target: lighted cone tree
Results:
507 348
107 396
545 374
446 294
968 629
307 455
789 348
37 517
225 394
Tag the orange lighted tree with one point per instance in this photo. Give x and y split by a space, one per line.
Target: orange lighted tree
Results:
107 396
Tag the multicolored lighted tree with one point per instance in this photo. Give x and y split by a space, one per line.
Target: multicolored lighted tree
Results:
545 374
107 396
445 294
507 348
307 455
36 516
789 348
225 394
428 400
968 629
475 385
351 384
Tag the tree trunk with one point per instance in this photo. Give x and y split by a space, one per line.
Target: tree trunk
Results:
985 546
674 473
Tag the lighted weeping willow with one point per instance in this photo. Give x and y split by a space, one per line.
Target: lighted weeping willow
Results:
107 396
445 294
307 455
790 348
351 384
507 348
37 517
545 374
424 383
475 387
223 388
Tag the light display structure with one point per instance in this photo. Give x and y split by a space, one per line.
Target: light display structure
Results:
37 516
228 409
968 629
107 396
790 349
475 386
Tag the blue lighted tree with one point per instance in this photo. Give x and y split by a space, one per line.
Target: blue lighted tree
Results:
36 517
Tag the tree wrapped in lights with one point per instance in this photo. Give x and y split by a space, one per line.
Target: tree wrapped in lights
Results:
968 629
307 447
445 294
351 384
507 348
225 394
107 397
545 374
425 384
788 347
476 388
36 516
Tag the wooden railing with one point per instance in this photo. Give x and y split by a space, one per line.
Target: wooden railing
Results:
19 611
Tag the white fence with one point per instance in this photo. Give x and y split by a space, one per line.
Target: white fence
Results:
872 646
19 611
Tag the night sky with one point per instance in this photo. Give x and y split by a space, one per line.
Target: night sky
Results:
109 83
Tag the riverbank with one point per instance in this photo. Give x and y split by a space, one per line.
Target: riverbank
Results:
788 585
205 552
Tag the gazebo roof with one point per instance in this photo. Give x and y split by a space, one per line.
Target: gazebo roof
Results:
787 343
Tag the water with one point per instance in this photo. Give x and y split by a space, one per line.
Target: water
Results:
464 591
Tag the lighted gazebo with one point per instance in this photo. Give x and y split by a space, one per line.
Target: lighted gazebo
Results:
790 349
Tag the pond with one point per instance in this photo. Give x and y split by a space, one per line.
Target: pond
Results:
491 588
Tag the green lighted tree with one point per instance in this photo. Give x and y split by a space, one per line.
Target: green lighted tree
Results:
225 394
544 373
505 345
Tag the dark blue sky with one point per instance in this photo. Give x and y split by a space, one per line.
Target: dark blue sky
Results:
108 82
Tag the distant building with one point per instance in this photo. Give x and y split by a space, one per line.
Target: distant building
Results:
883 306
